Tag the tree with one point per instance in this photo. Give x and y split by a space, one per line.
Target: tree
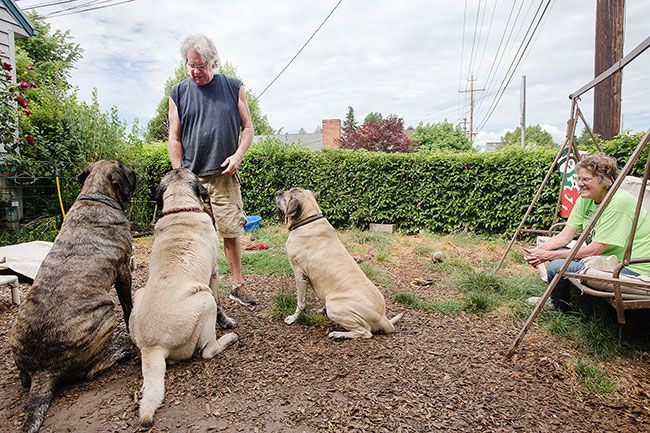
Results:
441 136
302 131
382 136
536 138
52 55
350 121
157 128
63 130
373 117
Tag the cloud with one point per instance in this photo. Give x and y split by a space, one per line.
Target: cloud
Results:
397 58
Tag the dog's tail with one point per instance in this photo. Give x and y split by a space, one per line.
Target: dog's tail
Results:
396 318
153 390
40 396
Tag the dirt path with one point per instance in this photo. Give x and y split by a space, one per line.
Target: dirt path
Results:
437 373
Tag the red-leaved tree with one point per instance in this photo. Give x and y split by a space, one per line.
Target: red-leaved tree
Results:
384 136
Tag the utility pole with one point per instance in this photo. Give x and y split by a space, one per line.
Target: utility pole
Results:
471 107
522 110
609 50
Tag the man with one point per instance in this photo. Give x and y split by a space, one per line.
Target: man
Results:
210 130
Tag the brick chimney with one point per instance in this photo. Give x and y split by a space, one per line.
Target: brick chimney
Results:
331 133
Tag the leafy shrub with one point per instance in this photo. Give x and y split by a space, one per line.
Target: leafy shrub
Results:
381 136
441 136
438 192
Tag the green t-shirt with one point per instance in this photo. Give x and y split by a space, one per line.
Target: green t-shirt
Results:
614 225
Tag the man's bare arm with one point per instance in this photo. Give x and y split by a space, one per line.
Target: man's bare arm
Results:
175 148
233 162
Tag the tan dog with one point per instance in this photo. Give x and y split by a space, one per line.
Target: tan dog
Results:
175 313
318 257
65 324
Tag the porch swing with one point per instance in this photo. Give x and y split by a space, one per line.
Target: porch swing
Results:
600 278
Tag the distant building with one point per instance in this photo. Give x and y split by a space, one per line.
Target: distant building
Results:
491 146
329 137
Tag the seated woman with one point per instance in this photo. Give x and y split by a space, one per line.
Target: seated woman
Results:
595 175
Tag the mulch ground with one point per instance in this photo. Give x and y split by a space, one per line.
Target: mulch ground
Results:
436 373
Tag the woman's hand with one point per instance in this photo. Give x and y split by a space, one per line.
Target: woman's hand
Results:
537 256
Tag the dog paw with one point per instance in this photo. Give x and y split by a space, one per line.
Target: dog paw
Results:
230 338
290 319
228 324
335 335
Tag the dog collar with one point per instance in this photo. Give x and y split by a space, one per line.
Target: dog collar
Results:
306 221
183 209
102 199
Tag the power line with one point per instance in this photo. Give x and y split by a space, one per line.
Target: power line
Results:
79 6
57 14
300 50
506 80
43 5
487 38
462 53
500 54
471 56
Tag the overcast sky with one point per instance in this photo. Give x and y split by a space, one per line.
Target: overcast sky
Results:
407 57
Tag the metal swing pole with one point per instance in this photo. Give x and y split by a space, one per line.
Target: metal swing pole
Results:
569 137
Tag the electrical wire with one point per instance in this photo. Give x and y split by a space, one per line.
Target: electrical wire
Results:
79 6
299 51
57 14
506 81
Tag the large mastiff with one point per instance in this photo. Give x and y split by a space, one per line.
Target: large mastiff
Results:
175 313
66 322
318 257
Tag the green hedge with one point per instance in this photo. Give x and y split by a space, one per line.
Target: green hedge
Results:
440 192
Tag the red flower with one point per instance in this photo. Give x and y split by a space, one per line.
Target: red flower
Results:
23 85
6 66
21 101
30 139
8 76
29 68
27 112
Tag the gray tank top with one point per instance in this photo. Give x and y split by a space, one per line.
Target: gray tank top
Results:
210 122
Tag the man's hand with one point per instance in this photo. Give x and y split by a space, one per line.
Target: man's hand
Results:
231 164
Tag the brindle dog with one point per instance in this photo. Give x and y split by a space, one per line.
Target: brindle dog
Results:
66 321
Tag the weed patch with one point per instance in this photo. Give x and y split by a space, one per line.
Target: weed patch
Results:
284 304
594 378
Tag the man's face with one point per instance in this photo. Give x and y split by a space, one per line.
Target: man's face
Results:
200 71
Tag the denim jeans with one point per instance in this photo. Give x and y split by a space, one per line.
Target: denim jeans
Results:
561 295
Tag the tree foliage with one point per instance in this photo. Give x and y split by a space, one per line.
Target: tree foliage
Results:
441 136
536 138
382 136
373 117
350 121
157 128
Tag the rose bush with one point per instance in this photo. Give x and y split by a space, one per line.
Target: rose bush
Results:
13 104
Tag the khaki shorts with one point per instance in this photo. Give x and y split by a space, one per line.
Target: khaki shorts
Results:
227 205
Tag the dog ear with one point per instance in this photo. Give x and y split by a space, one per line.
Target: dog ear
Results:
81 177
123 180
160 191
202 192
294 208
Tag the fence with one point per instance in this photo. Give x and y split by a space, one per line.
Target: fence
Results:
30 194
